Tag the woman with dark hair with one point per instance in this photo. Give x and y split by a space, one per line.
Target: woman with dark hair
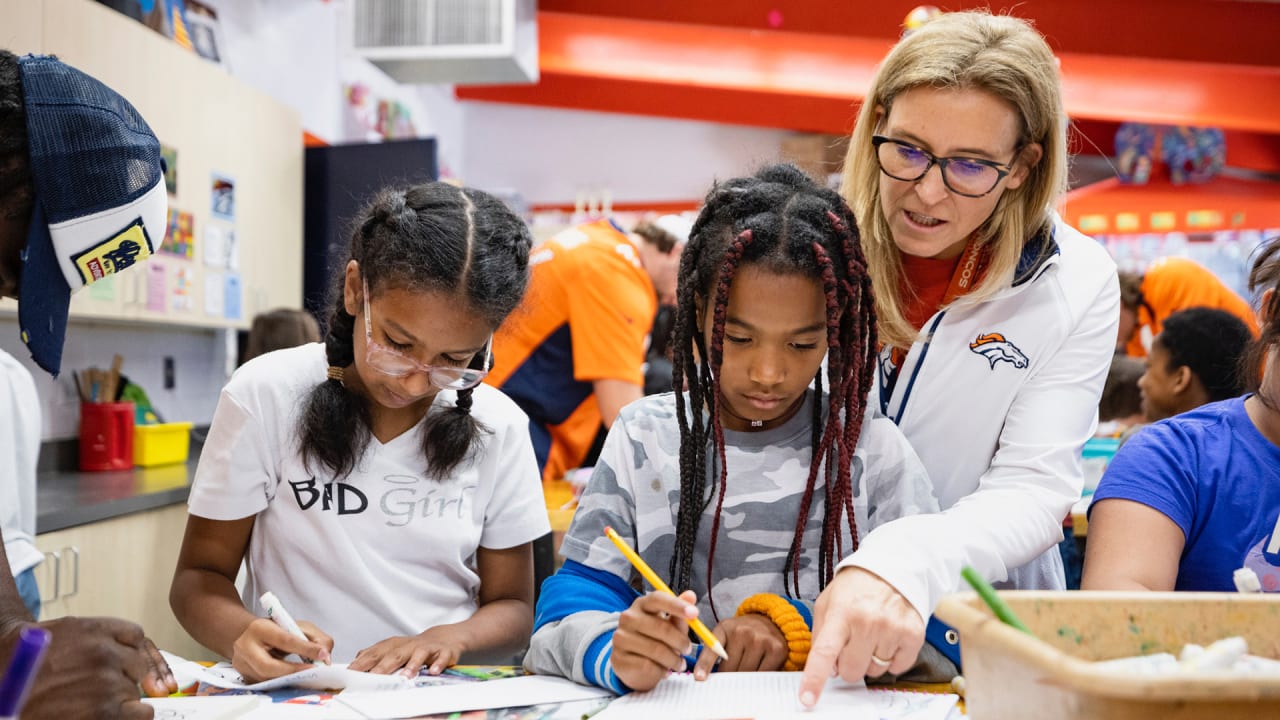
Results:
1192 499
372 483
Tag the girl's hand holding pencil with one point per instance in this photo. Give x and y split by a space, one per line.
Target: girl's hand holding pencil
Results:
652 638
654 631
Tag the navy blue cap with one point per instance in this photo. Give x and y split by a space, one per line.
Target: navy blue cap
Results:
100 201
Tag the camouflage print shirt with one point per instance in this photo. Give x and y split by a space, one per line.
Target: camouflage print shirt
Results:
635 488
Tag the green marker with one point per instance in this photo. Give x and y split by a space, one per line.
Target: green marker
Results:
993 601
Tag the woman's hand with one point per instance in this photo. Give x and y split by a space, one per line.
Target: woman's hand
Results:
652 638
861 626
436 649
258 654
754 644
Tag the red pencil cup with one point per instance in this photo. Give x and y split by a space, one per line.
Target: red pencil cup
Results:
106 436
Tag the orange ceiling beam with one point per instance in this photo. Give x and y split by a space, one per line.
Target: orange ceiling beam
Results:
812 82
730 75
1226 31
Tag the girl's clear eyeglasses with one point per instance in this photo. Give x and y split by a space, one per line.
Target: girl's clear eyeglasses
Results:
396 364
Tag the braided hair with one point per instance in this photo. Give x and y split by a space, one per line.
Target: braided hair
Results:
432 237
782 222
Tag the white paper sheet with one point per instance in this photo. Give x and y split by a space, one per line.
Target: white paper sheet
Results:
224 707
316 677
213 292
771 696
506 692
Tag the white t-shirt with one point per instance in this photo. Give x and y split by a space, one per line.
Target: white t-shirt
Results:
19 448
386 552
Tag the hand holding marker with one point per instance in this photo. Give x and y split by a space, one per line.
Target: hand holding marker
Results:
275 611
639 564
23 667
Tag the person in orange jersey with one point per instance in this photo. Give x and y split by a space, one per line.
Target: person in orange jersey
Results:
1170 284
573 354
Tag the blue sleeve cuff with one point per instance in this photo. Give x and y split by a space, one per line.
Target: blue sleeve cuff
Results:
598 665
577 587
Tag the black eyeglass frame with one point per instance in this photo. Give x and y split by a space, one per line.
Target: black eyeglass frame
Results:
1003 170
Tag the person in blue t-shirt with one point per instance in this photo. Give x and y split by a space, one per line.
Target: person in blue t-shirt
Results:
1191 499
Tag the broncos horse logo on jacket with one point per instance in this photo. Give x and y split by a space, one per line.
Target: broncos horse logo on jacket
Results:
995 348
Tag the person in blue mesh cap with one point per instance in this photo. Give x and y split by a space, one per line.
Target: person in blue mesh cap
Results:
82 187
81 197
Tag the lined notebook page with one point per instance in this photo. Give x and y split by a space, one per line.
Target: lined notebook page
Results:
771 696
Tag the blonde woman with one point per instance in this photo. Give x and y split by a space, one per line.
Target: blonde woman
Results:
997 324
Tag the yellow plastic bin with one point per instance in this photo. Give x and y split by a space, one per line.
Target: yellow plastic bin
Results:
1051 674
162 444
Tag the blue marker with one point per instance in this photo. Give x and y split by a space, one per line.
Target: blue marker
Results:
16 684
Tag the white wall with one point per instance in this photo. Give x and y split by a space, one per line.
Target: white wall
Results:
548 154
199 368
296 52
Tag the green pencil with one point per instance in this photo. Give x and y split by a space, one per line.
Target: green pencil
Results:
993 601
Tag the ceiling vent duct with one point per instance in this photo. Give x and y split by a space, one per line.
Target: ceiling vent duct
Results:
465 42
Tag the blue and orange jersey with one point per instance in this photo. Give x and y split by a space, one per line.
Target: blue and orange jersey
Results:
586 316
1171 284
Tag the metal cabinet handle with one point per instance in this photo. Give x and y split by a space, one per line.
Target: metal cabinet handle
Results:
75 570
57 573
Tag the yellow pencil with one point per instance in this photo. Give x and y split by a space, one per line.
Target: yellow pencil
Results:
639 564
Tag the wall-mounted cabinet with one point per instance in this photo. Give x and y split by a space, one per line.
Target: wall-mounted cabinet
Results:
223 132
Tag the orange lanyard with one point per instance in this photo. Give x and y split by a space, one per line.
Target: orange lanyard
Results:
968 273
973 264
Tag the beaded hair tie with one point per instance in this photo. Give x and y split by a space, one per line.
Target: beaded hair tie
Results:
335 373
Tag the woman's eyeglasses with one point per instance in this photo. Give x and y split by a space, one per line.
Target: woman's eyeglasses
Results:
396 364
970 177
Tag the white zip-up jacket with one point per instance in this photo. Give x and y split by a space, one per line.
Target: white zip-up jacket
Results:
998 399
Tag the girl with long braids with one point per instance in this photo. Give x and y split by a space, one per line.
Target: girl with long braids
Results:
371 483
746 490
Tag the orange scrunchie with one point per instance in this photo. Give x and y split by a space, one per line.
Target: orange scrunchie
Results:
789 621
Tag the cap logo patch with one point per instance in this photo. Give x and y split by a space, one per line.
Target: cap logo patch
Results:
114 254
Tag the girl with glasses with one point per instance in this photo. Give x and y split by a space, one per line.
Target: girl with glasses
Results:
371 483
997 326
747 490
